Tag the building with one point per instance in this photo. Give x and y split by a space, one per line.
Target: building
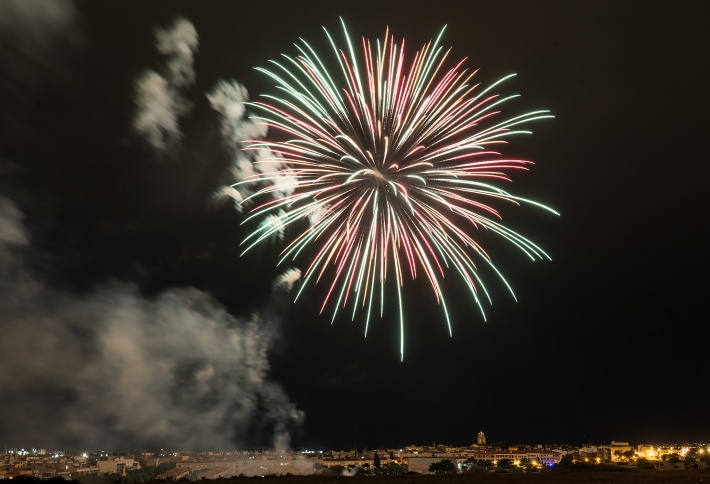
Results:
536 456
174 474
117 465
620 451
481 438
421 465
354 462
247 465
156 461
215 473
277 466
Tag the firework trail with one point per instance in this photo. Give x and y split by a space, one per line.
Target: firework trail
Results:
392 161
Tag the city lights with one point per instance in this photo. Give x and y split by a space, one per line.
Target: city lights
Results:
72 464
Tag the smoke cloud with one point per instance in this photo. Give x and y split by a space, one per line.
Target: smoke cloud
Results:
179 44
288 279
113 367
228 98
12 232
160 96
238 130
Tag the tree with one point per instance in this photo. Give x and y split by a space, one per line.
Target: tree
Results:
377 462
91 479
645 464
25 479
337 470
391 469
444 466
111 478
60 480
690 462
566 461
480 466
165 467
504 463
144 474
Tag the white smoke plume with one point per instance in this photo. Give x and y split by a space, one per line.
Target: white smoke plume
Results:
288 279
160 95
179 44
349 472
317 214
285 179
273 223
229 99
113 367
158 111
12 232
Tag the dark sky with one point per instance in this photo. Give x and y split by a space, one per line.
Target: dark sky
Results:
606 342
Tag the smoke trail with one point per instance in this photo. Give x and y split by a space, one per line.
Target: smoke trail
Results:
288 279
112 367
179 44
12 232
228 98
160 96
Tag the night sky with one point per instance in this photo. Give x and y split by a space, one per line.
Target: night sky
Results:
607 341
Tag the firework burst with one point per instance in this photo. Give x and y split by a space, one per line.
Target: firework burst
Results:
390 164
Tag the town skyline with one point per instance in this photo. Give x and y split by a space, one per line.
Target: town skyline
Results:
476 458
480 440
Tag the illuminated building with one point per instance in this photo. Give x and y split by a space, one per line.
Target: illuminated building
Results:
536 456
619 451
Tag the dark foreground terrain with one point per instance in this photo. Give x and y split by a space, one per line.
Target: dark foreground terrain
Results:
590 477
